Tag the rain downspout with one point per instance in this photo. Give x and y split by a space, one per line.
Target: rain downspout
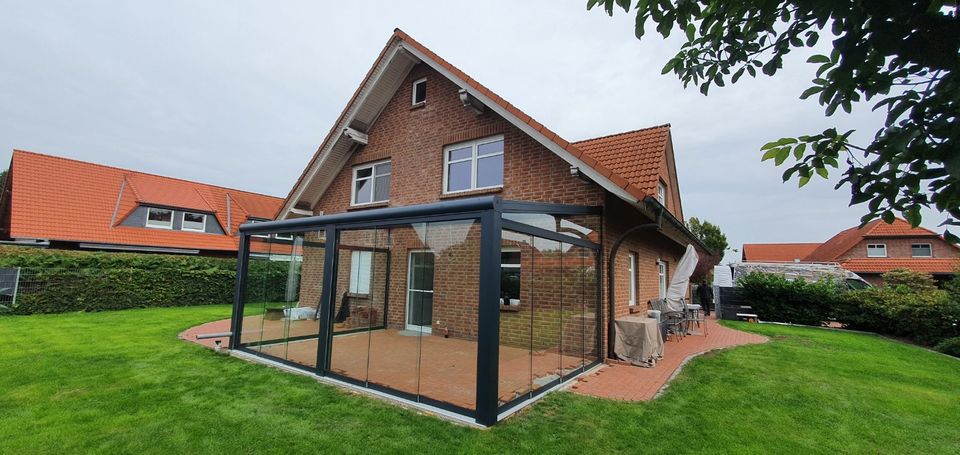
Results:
611 326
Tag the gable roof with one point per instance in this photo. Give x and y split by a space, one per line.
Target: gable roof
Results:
849 238
777 252
884 265
55 198
597 158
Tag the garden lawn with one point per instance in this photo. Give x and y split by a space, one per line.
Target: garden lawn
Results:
121 382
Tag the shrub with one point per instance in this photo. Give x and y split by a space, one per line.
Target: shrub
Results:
914 281
950 346
56 281
774 298
926 317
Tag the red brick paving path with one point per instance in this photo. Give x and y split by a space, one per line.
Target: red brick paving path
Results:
632 383
616 381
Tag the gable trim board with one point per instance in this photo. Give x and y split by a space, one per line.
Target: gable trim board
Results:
401 46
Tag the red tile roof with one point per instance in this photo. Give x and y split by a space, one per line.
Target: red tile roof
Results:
777 252
62 199
848 238
883 265
635 156
623 159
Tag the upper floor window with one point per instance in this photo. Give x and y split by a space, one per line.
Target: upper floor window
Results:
921 250
159 218
371 183
876 250
662 193
473 165
419 92
194 222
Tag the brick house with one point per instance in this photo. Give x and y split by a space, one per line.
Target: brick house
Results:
471 244
68 204
870 251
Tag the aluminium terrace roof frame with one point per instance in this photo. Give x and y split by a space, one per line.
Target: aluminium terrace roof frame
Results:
488 210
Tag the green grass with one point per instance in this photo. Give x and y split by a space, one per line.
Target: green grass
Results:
120 382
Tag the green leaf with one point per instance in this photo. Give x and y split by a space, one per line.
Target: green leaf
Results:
810 92
888 217
798 150
822 172
771 154
803 181
691 32
782 155
818 59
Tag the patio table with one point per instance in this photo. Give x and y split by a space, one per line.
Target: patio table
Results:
638 340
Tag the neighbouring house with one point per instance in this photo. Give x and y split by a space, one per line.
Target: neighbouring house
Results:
870 251
454 252
69 204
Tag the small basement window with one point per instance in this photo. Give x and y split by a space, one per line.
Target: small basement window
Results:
371 183
419 92
877 250
194 222
921 250
159 218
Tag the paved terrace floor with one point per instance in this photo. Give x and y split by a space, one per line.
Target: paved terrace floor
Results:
632 383
449 371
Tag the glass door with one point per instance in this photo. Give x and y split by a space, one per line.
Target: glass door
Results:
420 291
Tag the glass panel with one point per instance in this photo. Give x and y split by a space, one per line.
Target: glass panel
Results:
448 357
572 301
585 227
364 173
516 321
547 282
458 176
382 189
363 191
490 148
420 92
490 171
591 304
383 168
460 153
358 303
159 217
284 278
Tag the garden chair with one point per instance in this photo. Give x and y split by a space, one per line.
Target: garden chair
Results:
693 315
672 320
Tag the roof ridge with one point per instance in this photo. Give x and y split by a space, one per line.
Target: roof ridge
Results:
141 172
664 125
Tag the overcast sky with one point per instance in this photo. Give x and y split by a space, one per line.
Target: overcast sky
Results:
240 93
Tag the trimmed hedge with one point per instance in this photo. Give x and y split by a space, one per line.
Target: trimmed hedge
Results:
950 346
56 281
774 298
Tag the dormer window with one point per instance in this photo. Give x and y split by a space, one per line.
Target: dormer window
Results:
419 92
662 193
196 222
159 218
877 250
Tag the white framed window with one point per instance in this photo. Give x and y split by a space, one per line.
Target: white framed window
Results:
662 276
371 183
876 250
510 276
921 250
662 193
418 94
632 269
260 236
159 218
473 165
196 222
361 263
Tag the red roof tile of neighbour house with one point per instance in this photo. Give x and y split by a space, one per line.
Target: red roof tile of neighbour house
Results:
777 252
883 265
634 155
848 238
61 199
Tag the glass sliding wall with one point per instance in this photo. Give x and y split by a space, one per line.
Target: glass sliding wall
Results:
282 296
391 300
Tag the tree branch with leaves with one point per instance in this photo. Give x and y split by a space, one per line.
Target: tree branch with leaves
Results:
899 54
